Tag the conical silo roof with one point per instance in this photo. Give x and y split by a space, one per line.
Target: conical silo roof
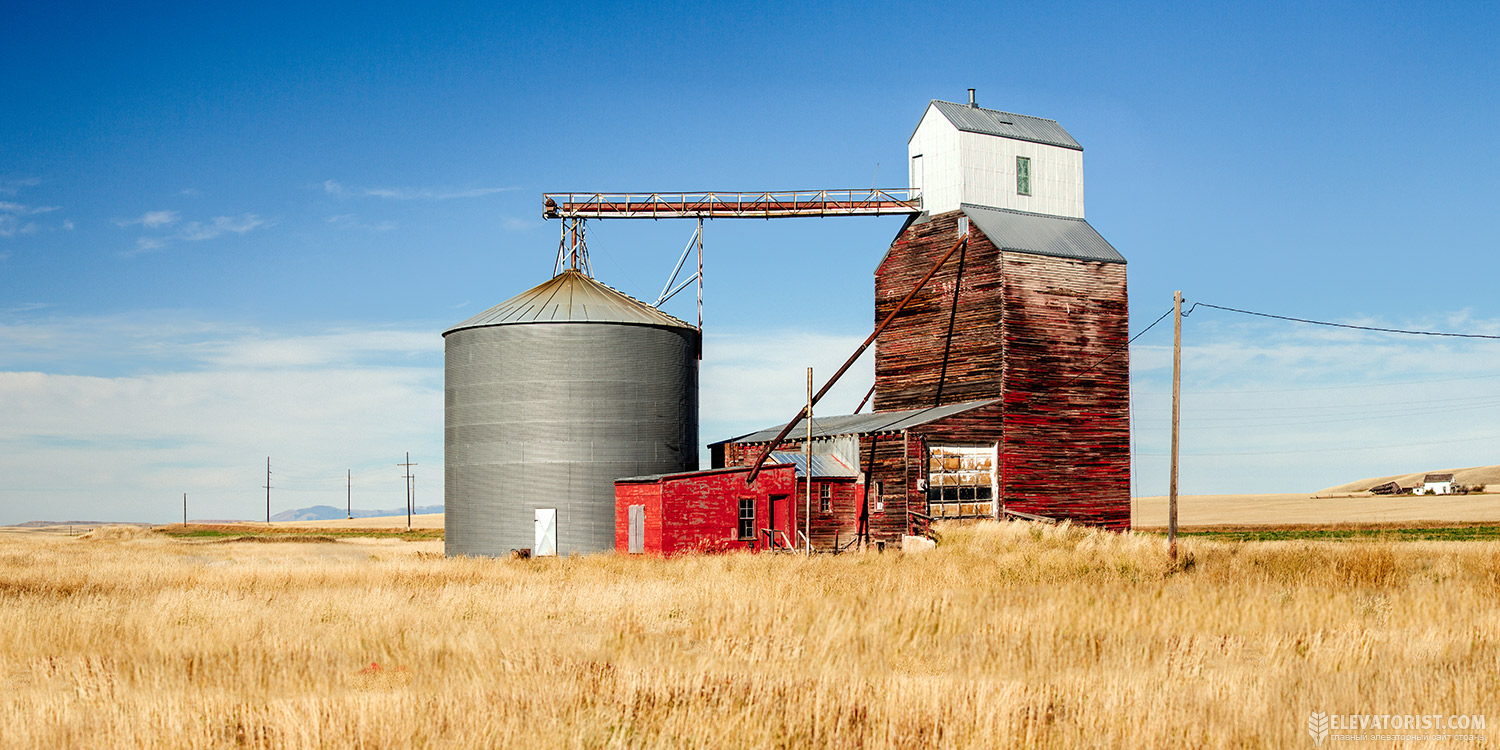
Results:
571 297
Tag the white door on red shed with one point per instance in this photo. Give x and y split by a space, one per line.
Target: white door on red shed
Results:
637 529
546 533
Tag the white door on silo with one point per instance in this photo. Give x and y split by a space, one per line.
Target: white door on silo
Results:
546 533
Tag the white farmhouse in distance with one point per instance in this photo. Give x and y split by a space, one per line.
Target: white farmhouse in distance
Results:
1437 484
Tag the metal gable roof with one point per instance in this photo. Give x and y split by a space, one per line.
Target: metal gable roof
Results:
1041 234
571 297
1006 124
861 424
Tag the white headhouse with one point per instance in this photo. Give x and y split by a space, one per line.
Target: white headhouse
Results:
962 153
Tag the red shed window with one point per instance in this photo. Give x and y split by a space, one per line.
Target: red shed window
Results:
747 517
825 497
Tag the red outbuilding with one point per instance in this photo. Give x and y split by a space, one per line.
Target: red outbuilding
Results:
706 511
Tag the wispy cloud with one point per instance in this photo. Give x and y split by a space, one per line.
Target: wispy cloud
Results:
22 307
1280 407
189 231
15 218
145 245
12 187
198 407
351 221
336 188
197 231
150 220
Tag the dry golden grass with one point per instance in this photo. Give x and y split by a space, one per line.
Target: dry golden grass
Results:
1005 635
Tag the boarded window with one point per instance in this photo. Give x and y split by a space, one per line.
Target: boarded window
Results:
825 497
637 529
1023 175
877 498
960 481
747 518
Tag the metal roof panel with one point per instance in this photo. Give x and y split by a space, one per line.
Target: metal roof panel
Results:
1042 234
1006 124
862 424
825 465
571 297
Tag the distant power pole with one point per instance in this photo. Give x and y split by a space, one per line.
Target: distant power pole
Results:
184 510
349 496
1176 421
408 466
268 489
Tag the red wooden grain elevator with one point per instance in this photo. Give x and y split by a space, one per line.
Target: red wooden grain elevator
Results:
1002 376
1021 334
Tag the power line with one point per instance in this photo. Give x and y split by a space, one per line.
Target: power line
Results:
1306 451
1106 357
1327 387
1196 305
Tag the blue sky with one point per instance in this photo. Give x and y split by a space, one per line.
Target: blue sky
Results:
230 233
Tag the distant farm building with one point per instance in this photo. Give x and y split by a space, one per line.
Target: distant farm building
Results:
1388 488
1437 484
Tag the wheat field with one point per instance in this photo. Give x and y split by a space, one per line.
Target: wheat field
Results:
1005 635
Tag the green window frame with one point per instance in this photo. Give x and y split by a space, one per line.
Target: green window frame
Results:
1023 175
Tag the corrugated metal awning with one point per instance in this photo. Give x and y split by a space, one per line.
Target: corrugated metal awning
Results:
825 465
1041 234
861 424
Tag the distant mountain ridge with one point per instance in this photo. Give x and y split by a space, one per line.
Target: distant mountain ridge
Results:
331 513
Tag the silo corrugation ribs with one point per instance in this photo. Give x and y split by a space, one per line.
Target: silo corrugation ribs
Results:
547 414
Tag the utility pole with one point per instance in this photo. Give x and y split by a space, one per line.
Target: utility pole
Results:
268 489
349 494
408 466
1176 421
184 510
807 459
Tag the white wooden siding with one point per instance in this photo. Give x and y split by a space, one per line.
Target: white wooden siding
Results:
936 141
959 167
989 175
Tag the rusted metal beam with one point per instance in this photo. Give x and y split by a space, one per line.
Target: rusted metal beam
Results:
754 470
732 205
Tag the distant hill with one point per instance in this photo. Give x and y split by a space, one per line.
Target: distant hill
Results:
330 513
1475 475
46 524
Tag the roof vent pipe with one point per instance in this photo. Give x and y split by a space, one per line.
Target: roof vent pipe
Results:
971 99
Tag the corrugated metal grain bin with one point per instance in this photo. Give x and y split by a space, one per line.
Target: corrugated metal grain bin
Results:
550 397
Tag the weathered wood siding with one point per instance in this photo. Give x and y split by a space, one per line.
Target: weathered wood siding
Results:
1066 447
699 512
1020 328
917 365
852 503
